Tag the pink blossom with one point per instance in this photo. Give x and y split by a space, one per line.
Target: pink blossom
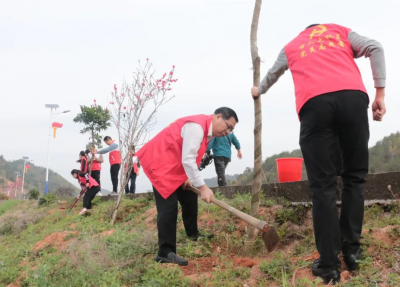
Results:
143 85
115 87
111 103
122 94
147 59
137 96
112 94
117 124
124 108
94 100
131 109
106 109
173 67
164 75
171 73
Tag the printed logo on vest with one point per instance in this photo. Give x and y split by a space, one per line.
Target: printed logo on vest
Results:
322 43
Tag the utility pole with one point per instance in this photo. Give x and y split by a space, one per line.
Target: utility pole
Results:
25 158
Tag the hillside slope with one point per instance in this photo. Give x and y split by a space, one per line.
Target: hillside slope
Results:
49 247
34 178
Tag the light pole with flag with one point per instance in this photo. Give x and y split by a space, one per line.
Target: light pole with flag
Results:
51 106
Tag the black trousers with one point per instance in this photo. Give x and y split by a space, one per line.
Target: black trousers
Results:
89 195
221 163
132 178
114 170
96 176
326 120
167 215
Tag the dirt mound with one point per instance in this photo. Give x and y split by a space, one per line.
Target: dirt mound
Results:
107 232
244 262
150 218
56 240
383 234
200 265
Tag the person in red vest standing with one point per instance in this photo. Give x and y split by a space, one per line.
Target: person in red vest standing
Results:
115 160
135 165
83 161
95 163
90 184
332 103
170 160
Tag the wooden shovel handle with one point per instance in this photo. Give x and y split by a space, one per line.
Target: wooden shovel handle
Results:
261 225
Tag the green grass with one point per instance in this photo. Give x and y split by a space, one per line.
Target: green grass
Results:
126 257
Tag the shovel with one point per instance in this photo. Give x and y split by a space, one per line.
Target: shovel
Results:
80 195
269 235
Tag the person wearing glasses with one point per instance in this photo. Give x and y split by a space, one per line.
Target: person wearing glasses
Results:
170 160
221 148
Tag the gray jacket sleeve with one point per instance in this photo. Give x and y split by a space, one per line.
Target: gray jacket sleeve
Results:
277 70
363 46
111 147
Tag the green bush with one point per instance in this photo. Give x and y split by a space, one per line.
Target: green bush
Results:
33 194
47 199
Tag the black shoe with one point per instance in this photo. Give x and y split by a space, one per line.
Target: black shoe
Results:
172 258
328 275
351 260
200 236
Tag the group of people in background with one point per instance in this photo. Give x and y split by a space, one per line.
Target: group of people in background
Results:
88 175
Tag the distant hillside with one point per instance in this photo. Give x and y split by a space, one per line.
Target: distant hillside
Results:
384 156
34 178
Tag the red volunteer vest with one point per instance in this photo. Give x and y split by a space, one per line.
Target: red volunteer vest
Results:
321 61
115 157
84 168
92 182
96 165
161 157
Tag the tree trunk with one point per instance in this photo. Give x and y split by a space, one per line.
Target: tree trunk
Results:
255 199
123 181
91 160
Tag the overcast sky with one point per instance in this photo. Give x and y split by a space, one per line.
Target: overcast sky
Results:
71 52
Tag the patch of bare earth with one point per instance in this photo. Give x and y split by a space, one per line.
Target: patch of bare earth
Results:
56 240
150 218
107 232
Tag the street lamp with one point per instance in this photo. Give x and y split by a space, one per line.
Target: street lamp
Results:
51 106
25 158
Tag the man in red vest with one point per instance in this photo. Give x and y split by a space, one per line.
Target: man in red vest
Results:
332 105
170 160
115 160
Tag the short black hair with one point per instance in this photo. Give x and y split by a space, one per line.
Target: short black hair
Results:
82 153
87 151
75 171
132 147
226 113
106 138
312 25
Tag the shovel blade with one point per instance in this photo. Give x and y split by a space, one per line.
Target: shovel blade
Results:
271 239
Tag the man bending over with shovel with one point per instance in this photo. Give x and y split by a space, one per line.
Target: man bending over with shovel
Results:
170 160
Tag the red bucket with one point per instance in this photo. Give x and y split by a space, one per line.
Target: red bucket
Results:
289 169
